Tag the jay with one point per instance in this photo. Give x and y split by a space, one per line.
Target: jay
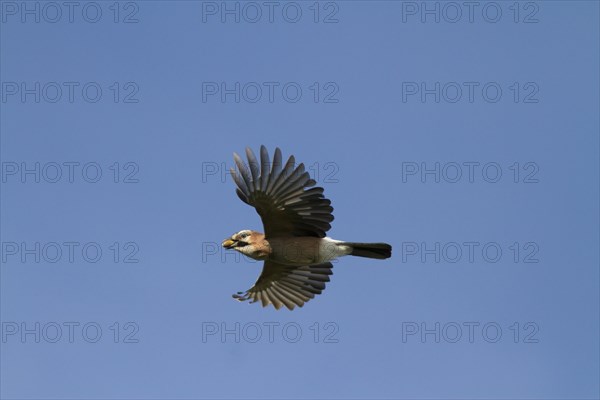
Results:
297 254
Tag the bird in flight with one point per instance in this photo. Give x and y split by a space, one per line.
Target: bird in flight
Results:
296 252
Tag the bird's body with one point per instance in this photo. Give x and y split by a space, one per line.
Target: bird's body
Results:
305 250
296 252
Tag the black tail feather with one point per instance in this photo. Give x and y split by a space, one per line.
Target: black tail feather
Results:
379 251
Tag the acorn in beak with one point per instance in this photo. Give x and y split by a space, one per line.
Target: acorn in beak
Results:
229 243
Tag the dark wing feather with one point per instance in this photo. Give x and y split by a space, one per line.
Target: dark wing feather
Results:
283 285
282 195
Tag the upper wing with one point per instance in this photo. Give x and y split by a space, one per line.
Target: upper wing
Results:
280 195
283 285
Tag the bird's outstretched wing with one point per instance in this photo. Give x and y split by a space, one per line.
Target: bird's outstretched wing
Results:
281 195
283 285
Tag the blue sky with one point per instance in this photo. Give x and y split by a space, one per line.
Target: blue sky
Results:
469 143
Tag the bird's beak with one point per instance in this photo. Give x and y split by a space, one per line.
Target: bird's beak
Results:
229 243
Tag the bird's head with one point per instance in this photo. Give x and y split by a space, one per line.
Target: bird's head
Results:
239 240
249 243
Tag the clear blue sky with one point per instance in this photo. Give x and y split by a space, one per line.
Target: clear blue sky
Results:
518 95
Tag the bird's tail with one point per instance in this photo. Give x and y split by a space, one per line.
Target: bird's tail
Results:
380 251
